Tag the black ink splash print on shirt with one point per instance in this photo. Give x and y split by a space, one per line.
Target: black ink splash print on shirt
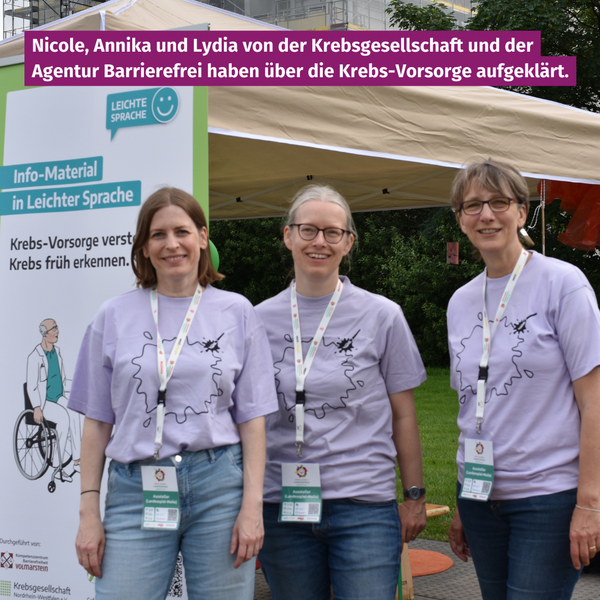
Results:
521 326
147 360
212 345
347 344
511 374
315 405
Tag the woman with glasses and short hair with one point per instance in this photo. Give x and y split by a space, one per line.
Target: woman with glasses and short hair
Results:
345 367
524 340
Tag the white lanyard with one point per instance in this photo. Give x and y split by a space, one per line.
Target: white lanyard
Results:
165 369
487 334
303 367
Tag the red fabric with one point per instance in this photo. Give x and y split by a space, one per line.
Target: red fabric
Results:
452 253
582 200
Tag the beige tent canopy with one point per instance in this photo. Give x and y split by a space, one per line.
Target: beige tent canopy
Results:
382 147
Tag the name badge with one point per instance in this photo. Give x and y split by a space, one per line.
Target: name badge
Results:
161 498
300 492
479 470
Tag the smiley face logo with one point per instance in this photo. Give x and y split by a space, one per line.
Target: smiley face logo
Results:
165 104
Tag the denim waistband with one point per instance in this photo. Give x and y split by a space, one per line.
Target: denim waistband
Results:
188 459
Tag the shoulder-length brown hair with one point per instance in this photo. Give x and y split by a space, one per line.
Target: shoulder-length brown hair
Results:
142 267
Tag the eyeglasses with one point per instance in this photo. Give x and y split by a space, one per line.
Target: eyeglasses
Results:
54 329
333 235
474 207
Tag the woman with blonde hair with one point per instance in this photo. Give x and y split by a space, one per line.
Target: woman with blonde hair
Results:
345 368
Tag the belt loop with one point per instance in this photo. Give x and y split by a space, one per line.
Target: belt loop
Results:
129 469
211 455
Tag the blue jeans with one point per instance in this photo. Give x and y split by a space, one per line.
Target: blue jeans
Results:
521 548
355 549
140 563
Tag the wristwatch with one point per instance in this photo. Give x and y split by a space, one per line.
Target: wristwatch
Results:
414 493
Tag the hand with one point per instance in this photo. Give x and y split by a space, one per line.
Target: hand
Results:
90 544
38 415
585 536
413 518
248 534
458 540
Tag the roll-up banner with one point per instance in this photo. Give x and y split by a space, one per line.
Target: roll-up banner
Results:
76 163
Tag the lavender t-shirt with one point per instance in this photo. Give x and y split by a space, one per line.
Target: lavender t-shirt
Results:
367 353
224 374
548 337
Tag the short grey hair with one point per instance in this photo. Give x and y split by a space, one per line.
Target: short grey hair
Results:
493 175
323 193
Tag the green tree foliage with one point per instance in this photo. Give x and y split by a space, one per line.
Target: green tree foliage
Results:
568 28
408 265
400 255
409 17
252 257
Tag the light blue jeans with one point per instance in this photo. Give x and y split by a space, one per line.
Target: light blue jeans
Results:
521 548
140 563
355 549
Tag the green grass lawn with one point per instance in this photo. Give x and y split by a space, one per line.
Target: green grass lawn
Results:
437 409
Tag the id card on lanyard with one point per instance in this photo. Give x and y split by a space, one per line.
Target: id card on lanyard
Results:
161 498
159 483
479 470
301 482
479 459
300 492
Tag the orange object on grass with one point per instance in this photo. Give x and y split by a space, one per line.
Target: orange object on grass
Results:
428 562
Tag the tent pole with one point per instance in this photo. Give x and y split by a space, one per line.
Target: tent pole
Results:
543 200
543 228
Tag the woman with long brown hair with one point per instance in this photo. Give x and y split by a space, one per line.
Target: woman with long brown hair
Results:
174 379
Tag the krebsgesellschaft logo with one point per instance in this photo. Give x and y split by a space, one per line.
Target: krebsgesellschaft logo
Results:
38 589
5 588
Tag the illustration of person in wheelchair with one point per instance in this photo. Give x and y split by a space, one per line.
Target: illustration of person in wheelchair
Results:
44 434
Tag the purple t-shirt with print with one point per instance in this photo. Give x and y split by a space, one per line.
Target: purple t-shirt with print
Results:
224 374
548 336
367 353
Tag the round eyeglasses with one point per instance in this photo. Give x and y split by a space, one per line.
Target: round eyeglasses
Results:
474 207
333 235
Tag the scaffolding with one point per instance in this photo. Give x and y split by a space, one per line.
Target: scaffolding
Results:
319 14
332 14
20 15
